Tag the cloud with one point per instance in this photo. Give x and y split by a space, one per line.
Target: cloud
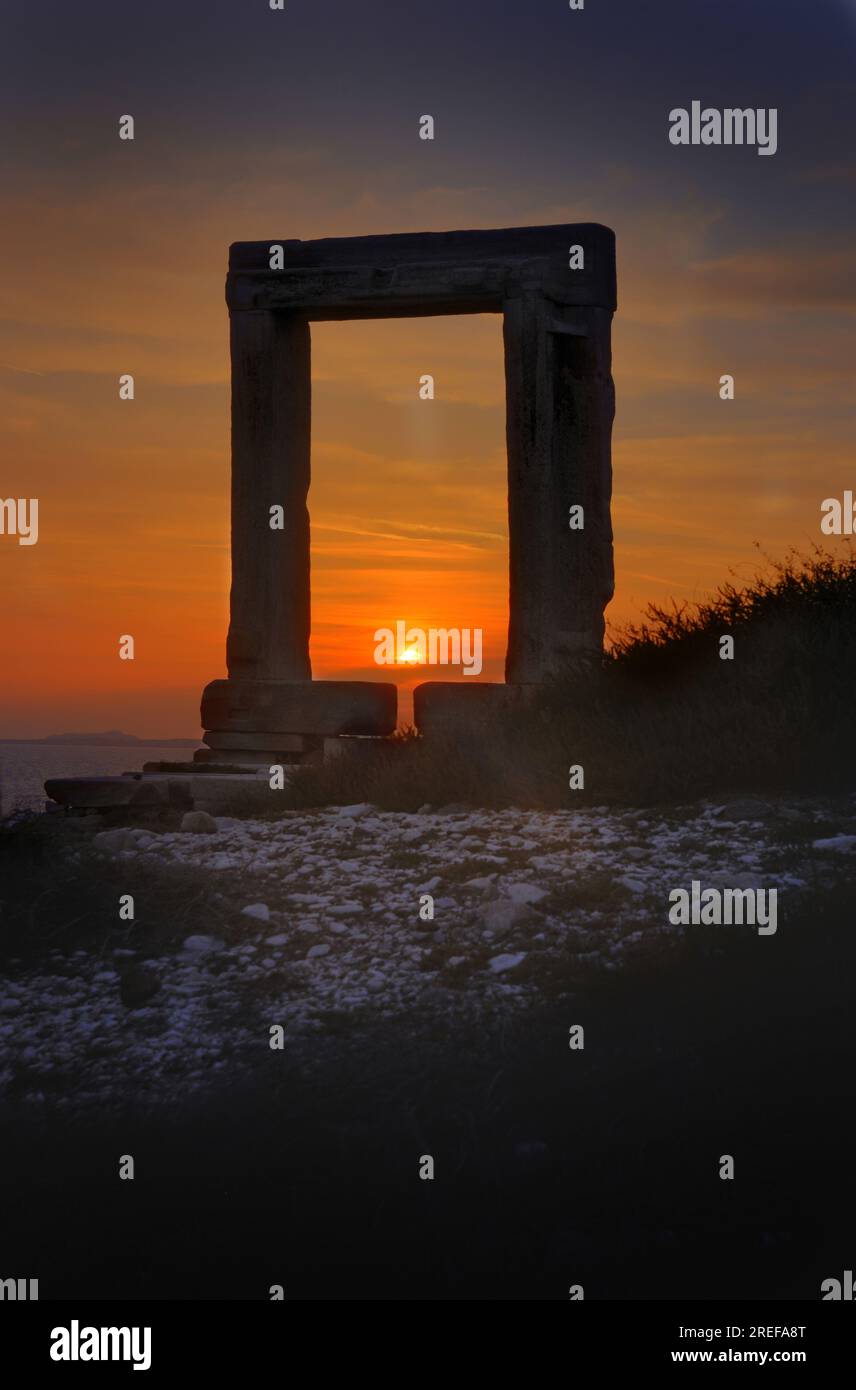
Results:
815 276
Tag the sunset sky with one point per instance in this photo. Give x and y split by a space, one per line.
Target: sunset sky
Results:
257 124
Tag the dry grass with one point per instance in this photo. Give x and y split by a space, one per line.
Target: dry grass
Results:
664 718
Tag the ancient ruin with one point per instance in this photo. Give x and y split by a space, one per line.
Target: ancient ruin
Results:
555 287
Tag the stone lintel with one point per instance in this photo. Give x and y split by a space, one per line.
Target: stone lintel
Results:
300 707
424 273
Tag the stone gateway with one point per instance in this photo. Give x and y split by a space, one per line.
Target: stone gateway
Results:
555 287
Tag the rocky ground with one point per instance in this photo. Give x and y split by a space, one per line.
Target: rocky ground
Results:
312 923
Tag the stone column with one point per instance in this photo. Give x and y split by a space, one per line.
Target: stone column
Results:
560 405
271 413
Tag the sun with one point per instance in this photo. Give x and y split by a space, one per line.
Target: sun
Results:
410 656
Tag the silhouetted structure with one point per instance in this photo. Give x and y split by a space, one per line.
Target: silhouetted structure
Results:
555 287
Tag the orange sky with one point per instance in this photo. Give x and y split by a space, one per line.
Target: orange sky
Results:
408 501
114 259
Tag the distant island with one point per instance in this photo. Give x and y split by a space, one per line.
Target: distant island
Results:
111 738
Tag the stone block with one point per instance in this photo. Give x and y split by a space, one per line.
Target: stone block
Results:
239 793
301 707
456 706
103 792
359 750
413 273
178 792
234 741
198 823
251 758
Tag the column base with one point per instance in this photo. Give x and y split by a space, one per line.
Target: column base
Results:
272 711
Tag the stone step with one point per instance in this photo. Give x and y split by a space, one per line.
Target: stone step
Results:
248 757
238 790
238 793
95 793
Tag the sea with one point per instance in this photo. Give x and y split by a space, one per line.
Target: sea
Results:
24 767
